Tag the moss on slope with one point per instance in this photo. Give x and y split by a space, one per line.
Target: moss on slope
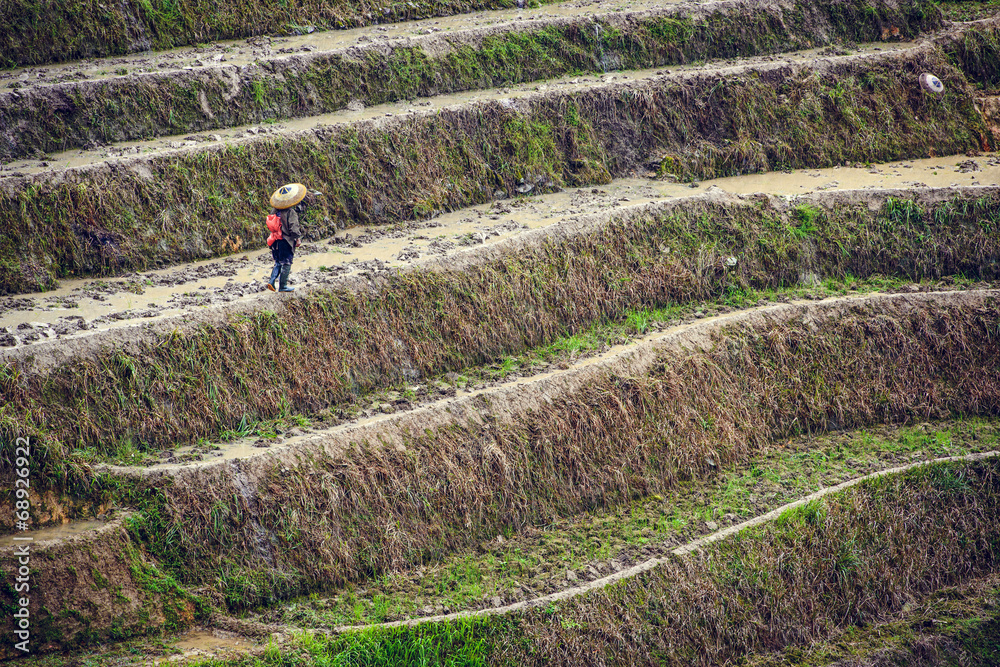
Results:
191 204
56 118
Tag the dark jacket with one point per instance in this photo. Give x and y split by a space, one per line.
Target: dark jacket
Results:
289 225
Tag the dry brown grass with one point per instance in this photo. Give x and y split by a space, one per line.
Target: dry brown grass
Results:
324 518
850 560
176 208
830 570
338 345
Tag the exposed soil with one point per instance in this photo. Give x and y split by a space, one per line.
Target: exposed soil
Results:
572 551
84 306
95 102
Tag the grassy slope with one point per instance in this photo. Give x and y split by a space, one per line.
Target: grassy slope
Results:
326 515
119 109
957 626
561 352
152 397
977 53
835 564
170 210
636 531
52 31
969 10
534 563
287 528
131 389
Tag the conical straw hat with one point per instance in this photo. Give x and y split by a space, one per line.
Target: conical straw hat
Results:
288 196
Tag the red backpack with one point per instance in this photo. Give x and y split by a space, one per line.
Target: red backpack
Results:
274 226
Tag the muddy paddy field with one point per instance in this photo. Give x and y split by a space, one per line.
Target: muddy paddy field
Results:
624 333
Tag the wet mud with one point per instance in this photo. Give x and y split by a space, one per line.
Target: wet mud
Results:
82 158
82 306
60 532
199 644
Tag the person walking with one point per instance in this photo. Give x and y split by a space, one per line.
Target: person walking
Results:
283 223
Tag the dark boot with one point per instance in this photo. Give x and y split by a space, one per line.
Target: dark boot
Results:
283 279
274 276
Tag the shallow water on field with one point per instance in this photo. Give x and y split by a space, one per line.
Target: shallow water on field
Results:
77 158
246 51
199 644
80 306
60 532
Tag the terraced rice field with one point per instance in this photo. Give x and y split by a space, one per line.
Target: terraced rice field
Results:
625 333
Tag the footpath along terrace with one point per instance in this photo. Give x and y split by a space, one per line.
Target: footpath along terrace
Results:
587 283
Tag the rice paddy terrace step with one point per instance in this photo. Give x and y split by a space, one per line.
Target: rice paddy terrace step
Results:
370 329
41 36
571 551
53 32
230 641
80 309
158 409
795 112
638 609
692 547
748 374
56 108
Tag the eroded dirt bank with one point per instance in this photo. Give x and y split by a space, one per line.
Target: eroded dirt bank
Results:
80 307
92 584
316 511
371 331
167 208
219 86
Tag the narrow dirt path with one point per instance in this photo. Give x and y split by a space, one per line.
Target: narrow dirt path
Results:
229 53
82 308
256 629
505 400
56 163
96 101
684 550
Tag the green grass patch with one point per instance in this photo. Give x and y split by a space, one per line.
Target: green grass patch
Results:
517 567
